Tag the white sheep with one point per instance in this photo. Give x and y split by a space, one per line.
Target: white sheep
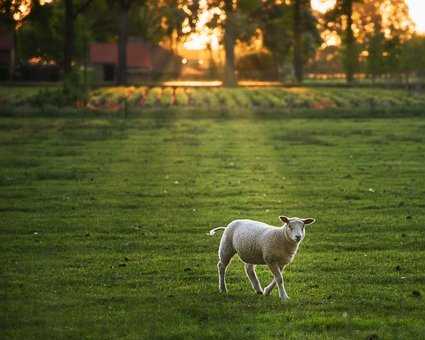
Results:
260 243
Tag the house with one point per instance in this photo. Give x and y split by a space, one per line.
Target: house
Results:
145 61
7 55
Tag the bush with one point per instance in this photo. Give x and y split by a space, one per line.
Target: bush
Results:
258 65
74 90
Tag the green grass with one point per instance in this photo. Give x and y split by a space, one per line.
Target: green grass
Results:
103 225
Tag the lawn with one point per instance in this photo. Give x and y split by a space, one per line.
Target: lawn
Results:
104 220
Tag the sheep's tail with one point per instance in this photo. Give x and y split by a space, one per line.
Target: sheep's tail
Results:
212 231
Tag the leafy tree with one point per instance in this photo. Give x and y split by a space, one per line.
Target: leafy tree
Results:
174 16
340 19
375 48
43 31
14 12
12 15
229 43
239 24
383 27
380 27
297 32
123 7
72 10
42 34
306 35
289 30
412 58
276 25
153 19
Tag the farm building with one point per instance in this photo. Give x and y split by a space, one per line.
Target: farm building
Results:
145 61
7 55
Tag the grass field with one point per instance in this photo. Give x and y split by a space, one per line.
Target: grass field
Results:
104 220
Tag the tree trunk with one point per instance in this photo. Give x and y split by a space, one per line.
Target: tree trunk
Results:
298 61
69 37
350 54
229 46
122 42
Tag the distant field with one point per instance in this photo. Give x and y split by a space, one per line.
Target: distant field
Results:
103 222
344 101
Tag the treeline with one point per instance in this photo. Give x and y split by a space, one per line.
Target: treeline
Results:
373 37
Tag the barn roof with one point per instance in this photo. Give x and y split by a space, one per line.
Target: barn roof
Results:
138 54
6 41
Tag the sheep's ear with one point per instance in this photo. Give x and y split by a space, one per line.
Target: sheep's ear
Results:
284 219
308 220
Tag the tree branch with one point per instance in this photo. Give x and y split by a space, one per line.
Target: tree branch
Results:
82 8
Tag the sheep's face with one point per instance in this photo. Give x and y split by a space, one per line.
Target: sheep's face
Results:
296 227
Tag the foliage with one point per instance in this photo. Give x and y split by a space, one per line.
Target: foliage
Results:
257 65
413 57
13 13
340 19
74 89
276 20
42 34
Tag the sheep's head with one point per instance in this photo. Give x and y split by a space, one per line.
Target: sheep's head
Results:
296 225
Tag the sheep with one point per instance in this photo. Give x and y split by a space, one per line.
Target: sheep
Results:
258 243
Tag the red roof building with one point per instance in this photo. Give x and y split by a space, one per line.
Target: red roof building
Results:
143 60
138 54
6 55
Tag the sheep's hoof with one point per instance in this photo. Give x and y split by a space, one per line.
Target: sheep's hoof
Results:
284 299
223 291
259 292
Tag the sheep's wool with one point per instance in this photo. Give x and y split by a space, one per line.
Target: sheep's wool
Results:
259 243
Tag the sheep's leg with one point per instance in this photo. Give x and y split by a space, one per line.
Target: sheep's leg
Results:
271 285
269 288
252 276
225 254
222 277
275 269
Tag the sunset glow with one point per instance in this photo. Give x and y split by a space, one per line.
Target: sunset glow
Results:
322 5
416 11
203 35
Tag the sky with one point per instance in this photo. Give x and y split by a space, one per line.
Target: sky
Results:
417 12
416 9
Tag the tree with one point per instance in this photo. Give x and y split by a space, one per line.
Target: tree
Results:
239 24
385 27
13 12
229 44
72 11
44 30
412 59
375 49
379 25
177 21
146 19
305 35
340 18
277 29
289 30
350 51
124 8
297 32
12 15
42 34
